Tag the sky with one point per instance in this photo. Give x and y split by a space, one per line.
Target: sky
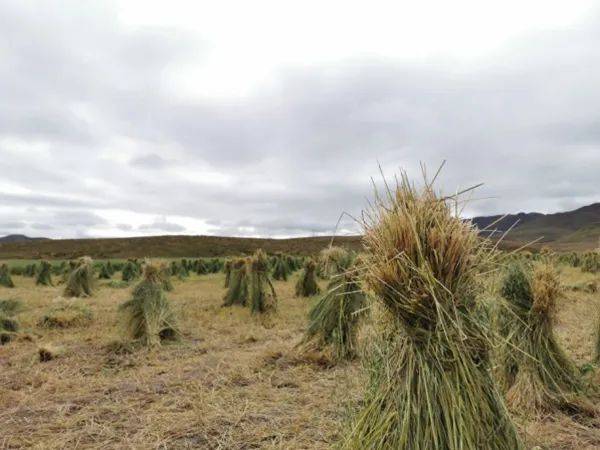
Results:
271 118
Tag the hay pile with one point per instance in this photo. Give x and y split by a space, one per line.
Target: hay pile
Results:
263 299
81 280
332 261
237 291
334 319
5 278
105 272
131 271
430 383
165 277
307 285
44 276
66 314
536 372
148 316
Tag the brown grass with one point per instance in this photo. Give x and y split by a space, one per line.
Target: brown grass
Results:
230 383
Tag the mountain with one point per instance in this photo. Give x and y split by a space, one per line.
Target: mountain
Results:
20 238
572 230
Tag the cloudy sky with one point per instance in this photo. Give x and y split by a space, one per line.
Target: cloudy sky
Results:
268 118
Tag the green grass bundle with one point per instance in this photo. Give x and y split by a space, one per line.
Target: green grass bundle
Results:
591 262
44 275
148 316
536 372
280 268
183 272
237 291
200 267
165 277
334 319
104 273
81 280
174 268
227 269
131 271
30 270
66 314
59 269
5 278
430 384
263 299
215 265
307 285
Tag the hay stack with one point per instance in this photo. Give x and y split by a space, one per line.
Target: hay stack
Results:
149 319
131 271
227 269
81 280
334 319
5 278
9 326
105 272
66 314
165 277
237 292
535 370
263 299
44 277
307 285
200 267
280 268
430 384
332 261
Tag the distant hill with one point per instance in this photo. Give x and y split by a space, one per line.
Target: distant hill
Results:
167 246
566 231
572 230
20 238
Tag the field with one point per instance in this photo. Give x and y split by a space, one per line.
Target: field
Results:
231 383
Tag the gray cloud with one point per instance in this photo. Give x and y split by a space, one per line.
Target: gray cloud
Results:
88 124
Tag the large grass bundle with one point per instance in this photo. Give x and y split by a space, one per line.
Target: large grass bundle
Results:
149 318
30 270
200 267
44 275
263 299
334 319
280 268
165 277
5 278
81 280
307 285
535 371
237 291
430 383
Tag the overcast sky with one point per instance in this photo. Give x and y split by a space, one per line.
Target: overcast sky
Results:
268 118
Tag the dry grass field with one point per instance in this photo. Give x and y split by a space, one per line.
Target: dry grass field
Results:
231 383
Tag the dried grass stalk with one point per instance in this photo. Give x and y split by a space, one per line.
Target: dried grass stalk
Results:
430 384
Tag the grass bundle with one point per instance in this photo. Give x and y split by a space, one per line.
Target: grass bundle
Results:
9 326
334 319
430 383
5 278
105 272
44 275
227 269
237 291
81 280
215 265
263 299
165 277
149 318
66 314
30 270
307 285
200 267
59 269
591 262
183 272
280 268
131 271
536 372
332 261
